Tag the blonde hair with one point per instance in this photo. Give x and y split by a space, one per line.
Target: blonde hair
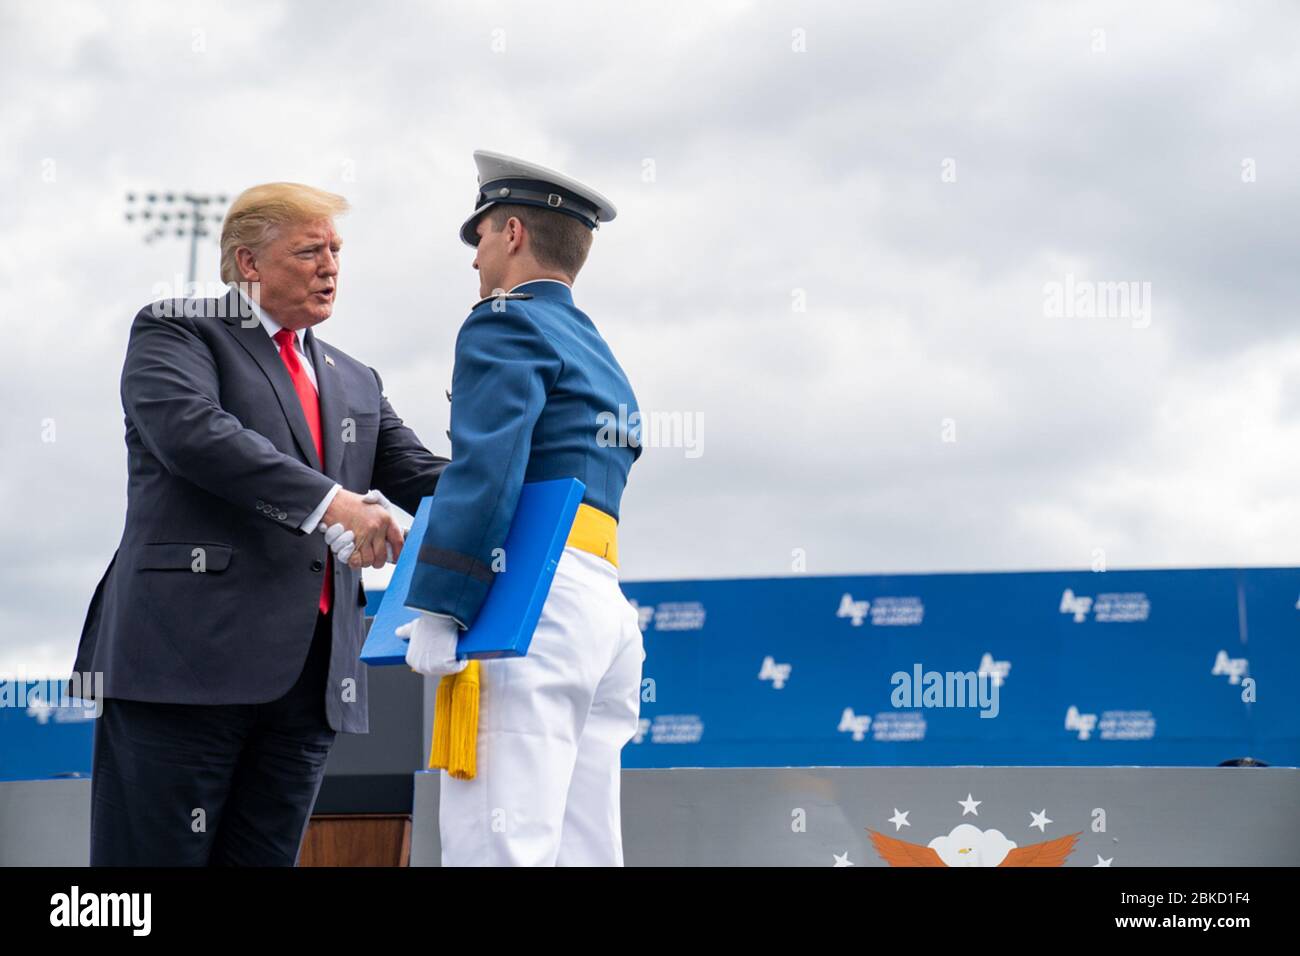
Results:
256 212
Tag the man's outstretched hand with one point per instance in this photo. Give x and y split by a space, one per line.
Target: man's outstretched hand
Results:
360 529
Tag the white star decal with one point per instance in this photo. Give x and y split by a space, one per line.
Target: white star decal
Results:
969 804
1101 862
1040 820
899 819
842 859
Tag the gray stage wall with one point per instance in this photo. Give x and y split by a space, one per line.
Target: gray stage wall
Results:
1167 816
45 822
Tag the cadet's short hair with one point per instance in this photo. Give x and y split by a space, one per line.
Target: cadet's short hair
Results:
557 241
256 212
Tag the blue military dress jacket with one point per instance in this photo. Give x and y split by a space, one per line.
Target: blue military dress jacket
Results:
536 394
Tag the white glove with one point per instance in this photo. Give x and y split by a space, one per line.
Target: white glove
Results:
432 648
342 542
375 496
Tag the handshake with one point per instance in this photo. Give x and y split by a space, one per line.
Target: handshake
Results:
361 530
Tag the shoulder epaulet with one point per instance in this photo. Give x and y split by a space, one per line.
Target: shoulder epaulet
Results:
502 296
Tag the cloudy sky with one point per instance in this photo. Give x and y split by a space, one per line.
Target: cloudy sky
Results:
840 233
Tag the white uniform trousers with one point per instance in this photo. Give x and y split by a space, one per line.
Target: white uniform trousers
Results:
552 725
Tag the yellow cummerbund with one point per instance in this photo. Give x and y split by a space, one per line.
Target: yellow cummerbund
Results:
596 533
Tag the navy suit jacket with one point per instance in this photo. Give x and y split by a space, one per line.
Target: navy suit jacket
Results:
212 595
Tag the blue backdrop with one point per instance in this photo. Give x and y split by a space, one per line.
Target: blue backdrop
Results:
1122 667
38 740
1119 668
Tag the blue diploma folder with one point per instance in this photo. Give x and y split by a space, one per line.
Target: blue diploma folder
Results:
505 623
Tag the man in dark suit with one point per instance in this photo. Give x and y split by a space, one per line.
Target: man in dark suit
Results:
228 638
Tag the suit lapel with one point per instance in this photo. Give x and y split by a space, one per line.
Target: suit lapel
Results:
332 405
252 336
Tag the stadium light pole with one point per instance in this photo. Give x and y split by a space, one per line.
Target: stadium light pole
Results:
184 213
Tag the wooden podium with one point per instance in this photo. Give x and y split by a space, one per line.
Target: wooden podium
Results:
362 814
357 839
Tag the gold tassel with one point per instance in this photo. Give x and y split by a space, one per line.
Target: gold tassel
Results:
455 724
461 762
441 748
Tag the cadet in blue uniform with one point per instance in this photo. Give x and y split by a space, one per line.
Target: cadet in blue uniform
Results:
536 394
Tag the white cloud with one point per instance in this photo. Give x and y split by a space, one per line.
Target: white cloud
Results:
775 171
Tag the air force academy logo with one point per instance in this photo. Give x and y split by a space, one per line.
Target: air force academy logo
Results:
1077 606
855 724
855 611
1234 668
778 674
1085 724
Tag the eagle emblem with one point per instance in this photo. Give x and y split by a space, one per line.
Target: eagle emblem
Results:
969 846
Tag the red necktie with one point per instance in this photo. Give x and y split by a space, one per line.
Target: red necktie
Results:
311 408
